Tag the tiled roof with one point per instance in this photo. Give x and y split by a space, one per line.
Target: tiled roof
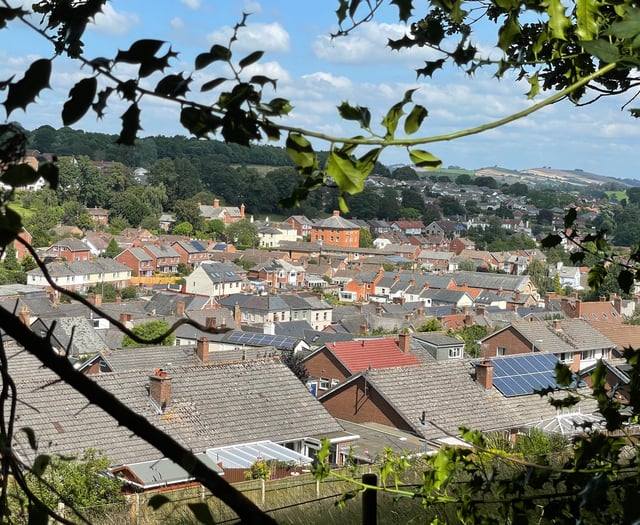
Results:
336 222
213 405
450 398
63 269
371 353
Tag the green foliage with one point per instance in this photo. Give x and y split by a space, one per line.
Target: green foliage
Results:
243 234
259 470
366 239
430 325
78 482
149 331
112 249
471 335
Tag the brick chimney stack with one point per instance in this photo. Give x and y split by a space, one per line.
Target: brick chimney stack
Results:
25 316
557 324
484 374
160 388
180 307
404 341
202 349
575 364
237 314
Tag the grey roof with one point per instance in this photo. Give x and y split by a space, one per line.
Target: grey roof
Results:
450 398
212 405
575 334
75 335
65 268
72 243
140 254
222 272
164 472
166 303
492 281
437 339
262 303
335 222
161 250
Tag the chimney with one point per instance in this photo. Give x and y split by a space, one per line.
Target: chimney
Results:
426 285
336 213
180 308
242 212
557 324
363 329
269 328
378 308
578 307
516 297
617 303
575 364
480 310
160 388
25 316
91 297
602 298
202 350
484 374
211 322
124 318
547 301
98 300
403 342
237 314
216 203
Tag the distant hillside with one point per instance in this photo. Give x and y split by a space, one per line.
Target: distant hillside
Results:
551 176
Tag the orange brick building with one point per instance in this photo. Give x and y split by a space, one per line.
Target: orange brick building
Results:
336 231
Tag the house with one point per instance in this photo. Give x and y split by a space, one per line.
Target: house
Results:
140 262
333 363
166 222
273 235
435 399
257 309
442 229
301 224
315 311
21 251
72 336
439 345
602 311
336 231
79 276
279 274
573 341
568 275
191 253
70 249
363 284
437 261
459 244
97 242
255 401
408 227
215 279
99 215
226 214
164 258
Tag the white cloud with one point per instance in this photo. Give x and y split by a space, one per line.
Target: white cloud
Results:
266 37
177 23
112 22
368 45
322 80
192 4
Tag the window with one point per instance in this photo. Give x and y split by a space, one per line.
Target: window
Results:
501 351
324 383
455 353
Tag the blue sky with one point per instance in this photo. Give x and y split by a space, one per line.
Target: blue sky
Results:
316 74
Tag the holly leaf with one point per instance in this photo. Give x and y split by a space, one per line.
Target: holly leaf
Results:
626 280
250 59
301 153
173 86
10 226
80 99
344 170
216 53
130 126
550 241
19 175
24 91
430 68
139 51
404 8
357 113
199 122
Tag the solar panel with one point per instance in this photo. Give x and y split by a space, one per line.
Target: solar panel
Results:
522 375
256 339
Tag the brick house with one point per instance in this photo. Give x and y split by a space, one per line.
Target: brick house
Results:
573 341
335 362
165 258
70 249
336 231
191 253
226 214
99 215
301 224
140 262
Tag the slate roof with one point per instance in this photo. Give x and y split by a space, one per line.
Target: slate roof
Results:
575 334
263 303
335 222
73 334
371 353
140 254
492 281
65 268
161 250
450 398
166 303
212 405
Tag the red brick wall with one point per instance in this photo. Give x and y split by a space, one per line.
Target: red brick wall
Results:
509 339
351 404
325 364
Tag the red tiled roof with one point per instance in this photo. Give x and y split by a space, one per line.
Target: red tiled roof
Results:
375 353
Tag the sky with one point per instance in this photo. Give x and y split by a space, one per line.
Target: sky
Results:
317 73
